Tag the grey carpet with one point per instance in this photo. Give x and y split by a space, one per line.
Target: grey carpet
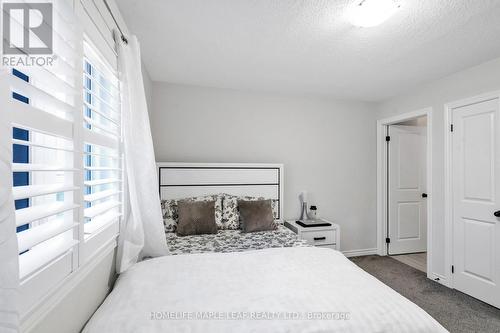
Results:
454 310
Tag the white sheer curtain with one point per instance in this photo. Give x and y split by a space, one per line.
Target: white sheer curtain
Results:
142 233
9 258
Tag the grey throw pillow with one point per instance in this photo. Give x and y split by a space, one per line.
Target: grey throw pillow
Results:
230 214
256 215
196 218
171 214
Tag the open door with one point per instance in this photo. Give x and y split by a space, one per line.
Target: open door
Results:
407 224
476 200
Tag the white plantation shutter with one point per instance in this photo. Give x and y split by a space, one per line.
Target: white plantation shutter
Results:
65 127
43 111
102 142
44 106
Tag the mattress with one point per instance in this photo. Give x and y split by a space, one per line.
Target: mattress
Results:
296 289
233 241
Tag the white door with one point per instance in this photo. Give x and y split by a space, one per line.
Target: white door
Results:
407 227
476 198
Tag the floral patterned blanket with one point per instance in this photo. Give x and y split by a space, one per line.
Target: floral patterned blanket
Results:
233 241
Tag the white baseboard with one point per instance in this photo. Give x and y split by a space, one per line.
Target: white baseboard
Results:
360 252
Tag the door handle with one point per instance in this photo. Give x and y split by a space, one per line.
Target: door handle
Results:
424 195
497 213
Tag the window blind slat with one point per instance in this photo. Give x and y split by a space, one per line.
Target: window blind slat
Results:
32 118
99 139
101 155
41 96
23 192
101 181
100 195
100 208
39 145
66 47
50 79
65 68
31 214
96 168
28 167
37 235
100 222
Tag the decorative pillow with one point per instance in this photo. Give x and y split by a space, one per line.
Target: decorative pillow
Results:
171 216
256 215
196 218
230 214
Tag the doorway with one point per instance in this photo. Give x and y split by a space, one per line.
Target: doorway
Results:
404 182
406 192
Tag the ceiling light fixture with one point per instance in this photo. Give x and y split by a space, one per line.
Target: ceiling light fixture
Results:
370 13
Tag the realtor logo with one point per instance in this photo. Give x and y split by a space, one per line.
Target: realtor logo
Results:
27 28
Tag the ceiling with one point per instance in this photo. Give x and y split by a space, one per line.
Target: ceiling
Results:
309 47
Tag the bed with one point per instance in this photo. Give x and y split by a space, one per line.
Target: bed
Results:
257 282
298 289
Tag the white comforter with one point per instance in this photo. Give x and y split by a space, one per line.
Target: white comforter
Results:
304 289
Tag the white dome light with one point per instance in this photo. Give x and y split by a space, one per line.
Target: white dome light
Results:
370 13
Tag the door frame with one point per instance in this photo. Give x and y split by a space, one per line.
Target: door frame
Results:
448 169
382 191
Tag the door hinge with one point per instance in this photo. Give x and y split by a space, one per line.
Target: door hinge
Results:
452 269
451 127
387 240
388 138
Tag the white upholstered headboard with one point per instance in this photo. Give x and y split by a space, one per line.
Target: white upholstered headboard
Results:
182 180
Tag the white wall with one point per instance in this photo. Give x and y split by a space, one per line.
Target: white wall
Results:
467 83
327 146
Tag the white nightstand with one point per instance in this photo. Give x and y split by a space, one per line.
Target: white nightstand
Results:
318 236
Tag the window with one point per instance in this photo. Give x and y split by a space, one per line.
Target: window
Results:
67 164
43 173
102 137
20 154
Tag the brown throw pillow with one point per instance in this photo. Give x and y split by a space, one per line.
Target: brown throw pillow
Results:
196 218
256 215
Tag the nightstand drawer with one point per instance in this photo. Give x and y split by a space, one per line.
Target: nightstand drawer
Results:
320 237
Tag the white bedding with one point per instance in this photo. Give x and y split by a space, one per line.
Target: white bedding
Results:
271 290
